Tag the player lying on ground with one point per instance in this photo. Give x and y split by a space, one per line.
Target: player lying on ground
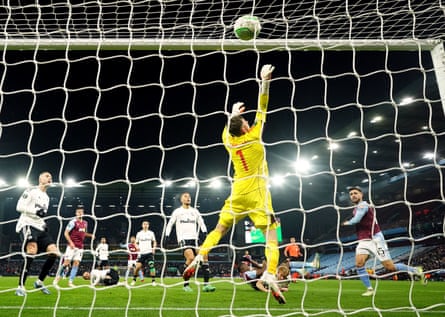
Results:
253 276
102 277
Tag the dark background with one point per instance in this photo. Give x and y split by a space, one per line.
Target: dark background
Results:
122 123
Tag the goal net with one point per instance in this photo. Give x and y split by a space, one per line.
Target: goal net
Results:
124 102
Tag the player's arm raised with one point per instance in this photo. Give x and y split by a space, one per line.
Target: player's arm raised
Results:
263 99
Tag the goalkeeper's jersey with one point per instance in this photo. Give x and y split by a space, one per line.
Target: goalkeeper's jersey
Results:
31 200
248 155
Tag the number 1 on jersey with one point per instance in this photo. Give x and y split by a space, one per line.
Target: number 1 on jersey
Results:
243 159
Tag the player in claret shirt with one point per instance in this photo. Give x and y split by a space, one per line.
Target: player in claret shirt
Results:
75 233
371 241
133 252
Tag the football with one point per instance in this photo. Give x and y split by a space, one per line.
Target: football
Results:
247 27
86 275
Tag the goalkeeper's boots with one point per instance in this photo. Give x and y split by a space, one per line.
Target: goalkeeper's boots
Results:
192 268
316 261
271 281
39 285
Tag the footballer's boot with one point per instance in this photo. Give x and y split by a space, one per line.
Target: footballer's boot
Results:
193 267
39 285
209 288
271 281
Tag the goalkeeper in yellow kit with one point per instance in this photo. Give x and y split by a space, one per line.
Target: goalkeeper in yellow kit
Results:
250 195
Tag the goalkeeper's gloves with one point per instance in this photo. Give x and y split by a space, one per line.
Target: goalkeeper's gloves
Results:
41 212
266 75
266 72
238 108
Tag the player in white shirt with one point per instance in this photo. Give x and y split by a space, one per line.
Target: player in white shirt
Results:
33 231
189 223
102 277
146 241
102 253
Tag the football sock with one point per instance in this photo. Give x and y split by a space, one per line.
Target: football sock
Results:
404 267
364 277
272 256
73 272
188 277
211 240
47 266
206 272
25 269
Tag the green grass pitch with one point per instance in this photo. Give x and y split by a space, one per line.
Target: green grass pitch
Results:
232 298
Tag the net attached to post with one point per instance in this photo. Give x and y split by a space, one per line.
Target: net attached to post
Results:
124 103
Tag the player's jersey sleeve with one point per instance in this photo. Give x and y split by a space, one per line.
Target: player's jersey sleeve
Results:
70 226
201 222
171 222
263 101
31 200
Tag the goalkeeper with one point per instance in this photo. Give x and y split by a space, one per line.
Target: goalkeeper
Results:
250 195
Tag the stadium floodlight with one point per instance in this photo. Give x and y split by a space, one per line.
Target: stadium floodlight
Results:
215 183
428 156
333 146
376 119
406 101
190 184
165 183
352 133
3 183
22 182
302 166
277 180
71 182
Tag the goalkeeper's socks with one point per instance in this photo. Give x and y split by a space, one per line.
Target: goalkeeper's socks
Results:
364 277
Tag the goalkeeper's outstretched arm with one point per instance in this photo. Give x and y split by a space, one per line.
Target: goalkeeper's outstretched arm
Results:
263 98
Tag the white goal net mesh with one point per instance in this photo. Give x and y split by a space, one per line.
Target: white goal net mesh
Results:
124 102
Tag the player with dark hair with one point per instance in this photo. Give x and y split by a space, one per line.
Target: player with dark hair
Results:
189 223
146 241
133 253
33 231
102 253
75 233
371 241
250 195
